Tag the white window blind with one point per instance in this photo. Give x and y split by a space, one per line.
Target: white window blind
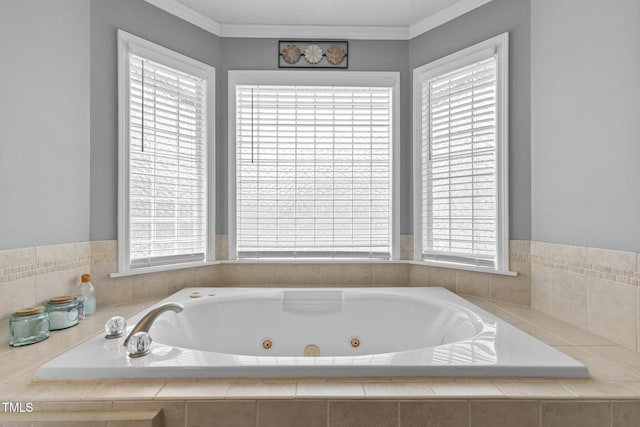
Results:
459 164
313 171
167 164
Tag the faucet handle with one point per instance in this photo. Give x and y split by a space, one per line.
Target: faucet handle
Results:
139 344
115 327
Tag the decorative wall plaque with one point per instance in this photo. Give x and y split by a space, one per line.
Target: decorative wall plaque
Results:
313 54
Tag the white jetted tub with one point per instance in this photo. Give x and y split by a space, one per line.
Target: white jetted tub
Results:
275 332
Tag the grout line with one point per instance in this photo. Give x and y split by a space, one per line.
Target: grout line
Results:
158 391
328 412
257 418
491 279
610 413
537 326
637 318
633 374
588 308
540 412
89 391
593 345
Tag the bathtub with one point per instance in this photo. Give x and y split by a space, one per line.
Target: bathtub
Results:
276 332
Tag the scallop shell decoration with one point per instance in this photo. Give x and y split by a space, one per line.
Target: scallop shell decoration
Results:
291 54
335 55
313 54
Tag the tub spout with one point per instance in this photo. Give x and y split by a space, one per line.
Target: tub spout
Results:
145 323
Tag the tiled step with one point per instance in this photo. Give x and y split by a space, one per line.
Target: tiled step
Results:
143 418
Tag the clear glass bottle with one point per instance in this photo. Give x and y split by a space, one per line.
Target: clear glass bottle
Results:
29 326
87 291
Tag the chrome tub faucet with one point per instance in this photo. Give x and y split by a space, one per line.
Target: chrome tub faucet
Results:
147 321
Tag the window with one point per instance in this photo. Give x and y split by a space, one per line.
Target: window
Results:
460 158
312 162
165 157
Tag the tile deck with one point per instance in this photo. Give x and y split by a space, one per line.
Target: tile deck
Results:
615 372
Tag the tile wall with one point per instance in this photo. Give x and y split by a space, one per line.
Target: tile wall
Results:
502 288
595 289
31 275
592 288
394 413
338 413
104 261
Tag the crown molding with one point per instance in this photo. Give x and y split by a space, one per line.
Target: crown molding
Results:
178 9
315 32
446 15
354 32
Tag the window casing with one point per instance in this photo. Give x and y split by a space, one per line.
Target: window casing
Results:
312 165
461 159
165 200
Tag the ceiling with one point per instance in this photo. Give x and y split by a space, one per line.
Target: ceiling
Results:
353 19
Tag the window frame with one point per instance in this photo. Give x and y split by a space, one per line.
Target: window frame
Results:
389 79
441 66
131 44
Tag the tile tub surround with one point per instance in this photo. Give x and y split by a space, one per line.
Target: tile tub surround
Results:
595 289
32 275
156 285
610 398
496 287
592 288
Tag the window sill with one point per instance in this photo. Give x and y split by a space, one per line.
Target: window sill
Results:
161 268
312 261
455 266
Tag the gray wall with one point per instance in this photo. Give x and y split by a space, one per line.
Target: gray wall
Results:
585 58
63 184
44 122
575 104
364 55
495 18
149 22
146 21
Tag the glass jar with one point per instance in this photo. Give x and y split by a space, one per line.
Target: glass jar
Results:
63 312
29 326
